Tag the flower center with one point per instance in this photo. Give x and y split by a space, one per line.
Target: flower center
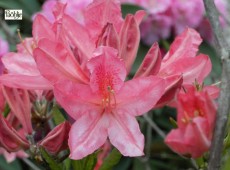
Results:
188 118
109 100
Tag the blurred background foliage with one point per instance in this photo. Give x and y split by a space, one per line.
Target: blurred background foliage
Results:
158 155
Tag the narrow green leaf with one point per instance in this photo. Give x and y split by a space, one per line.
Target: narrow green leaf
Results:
113 158
52 163
129 8
67 164
87 163
6 110
173 122
57 115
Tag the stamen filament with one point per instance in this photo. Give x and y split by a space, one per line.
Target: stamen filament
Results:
22 42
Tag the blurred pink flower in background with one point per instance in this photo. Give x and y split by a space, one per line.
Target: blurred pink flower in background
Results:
170 17
11 156
74 8
4 48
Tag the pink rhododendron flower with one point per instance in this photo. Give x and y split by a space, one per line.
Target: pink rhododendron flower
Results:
22 70
71 63
183 14
107 106
195 119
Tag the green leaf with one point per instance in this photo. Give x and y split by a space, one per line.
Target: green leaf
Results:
9 166
173 122
29 7
52 163
57 115
6 110
67 164
129 9
113 159
87 163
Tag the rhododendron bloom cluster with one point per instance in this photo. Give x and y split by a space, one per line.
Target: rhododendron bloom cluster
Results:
84 65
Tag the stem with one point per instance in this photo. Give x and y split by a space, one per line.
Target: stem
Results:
30 164
154 126
222 48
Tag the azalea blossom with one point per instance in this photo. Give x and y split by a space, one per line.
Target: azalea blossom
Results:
107 106
181 65
195 120
21 69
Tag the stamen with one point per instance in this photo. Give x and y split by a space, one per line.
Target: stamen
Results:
22 42
196 113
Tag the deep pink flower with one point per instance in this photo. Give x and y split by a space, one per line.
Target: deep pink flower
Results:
195 119
56 139
11 139
107 106
20 105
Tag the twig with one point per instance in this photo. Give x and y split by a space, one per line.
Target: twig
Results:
154 126
30 164
224 99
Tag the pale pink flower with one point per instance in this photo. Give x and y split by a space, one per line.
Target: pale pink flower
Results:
186 14
11 156
155 27
73 8
107 106
4 48
195 120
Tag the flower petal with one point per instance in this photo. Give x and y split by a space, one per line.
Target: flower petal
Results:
125 135
20 105
42 28
101 12
87 134
129 41
25 82
192 68
106 70
151 63
76 99
56 63
139 95
20 63
78 37
185 45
